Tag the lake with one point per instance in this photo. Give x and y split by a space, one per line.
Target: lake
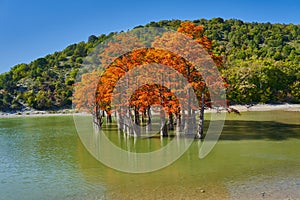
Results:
257 157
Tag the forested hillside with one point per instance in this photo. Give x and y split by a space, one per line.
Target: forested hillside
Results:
261 63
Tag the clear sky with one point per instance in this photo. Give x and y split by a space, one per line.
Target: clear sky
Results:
34 28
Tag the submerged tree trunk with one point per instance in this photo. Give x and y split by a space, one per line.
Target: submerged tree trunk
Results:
120 120
164 130
136 116
183 116
108 117
171 122
178 123
144 114
201 118
98 117
163 124
193 119
136 122
127 122
148 114
188 120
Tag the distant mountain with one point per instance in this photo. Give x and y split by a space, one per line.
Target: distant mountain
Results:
261 60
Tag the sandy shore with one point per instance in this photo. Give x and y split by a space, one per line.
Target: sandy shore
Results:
267 107
38 113
240 108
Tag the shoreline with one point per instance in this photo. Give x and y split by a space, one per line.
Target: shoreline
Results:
240 108
35 113
267 107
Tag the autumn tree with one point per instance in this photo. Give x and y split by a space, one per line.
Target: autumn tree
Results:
198 78
84 96
143 89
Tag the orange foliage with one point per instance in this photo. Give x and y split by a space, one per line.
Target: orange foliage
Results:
149 94
84 95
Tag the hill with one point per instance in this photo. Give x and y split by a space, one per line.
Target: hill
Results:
261 63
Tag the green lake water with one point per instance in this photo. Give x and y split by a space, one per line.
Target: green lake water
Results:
43 158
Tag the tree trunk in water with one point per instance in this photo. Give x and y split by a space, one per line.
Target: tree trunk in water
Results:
136 122
193 119
183 116
149 115
178 123
109 119
127 122
163 125
136 117
97 117
120 120
188 120
149 125
171 122
164 130
144 116
201 119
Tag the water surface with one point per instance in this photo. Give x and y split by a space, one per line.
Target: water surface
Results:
43 158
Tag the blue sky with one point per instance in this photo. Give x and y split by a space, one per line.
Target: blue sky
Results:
34 28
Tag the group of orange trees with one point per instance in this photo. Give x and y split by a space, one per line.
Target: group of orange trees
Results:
97 92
